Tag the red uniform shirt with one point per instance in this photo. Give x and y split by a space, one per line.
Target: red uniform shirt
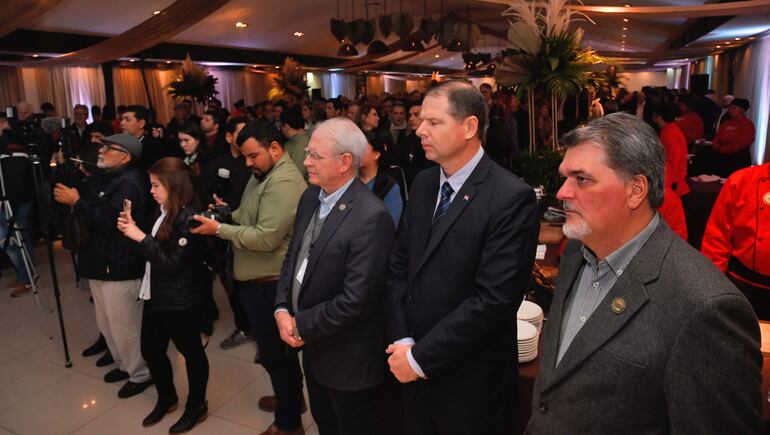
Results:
734 135
691 125
676 157
672 212
739 225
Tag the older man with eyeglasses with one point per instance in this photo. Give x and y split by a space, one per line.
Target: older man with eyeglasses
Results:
114 269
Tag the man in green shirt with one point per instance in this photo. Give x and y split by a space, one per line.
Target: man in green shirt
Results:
260 236
293 127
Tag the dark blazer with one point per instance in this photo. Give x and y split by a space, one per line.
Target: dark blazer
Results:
179 276
683 357
341 315
455 288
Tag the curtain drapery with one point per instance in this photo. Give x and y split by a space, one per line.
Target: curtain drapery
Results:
11 87
64 87
752 81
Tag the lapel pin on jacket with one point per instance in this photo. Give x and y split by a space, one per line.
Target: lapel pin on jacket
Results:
618 305
342 207
766 198
467 197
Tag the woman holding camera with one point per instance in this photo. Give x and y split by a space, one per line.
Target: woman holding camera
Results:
174 290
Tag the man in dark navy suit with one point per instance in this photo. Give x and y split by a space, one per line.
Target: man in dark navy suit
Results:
458 273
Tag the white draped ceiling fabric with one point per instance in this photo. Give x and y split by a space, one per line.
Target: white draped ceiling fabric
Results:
753 83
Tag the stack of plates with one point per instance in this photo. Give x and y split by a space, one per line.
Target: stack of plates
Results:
527 336
532 313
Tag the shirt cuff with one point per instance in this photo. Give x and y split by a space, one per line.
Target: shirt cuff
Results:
416 367
280 310
405 340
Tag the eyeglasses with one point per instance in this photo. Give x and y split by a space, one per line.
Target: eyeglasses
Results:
108 147
314 156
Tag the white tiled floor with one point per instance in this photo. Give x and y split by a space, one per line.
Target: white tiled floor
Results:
38 395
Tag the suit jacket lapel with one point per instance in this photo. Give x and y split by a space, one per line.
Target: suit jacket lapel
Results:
569 269
461 200
304 217
423 220
333 221
604 323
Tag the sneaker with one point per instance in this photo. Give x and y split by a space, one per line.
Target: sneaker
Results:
105 360
115 375
235 339
20 290
96 348
131 389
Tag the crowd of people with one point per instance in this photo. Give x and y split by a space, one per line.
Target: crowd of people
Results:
387 237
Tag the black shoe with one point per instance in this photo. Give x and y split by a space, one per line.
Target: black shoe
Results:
190 418
115 375
96 348
162 407
105 360
131 389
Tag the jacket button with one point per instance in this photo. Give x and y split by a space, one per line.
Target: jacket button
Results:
409 298
542 408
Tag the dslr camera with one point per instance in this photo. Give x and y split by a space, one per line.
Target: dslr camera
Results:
220 213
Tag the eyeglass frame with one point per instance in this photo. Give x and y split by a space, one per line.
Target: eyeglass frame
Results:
109 147
314 156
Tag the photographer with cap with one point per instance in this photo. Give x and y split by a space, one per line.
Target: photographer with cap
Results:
113 267
734 138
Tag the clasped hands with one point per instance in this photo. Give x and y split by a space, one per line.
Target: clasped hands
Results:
399 363
287 324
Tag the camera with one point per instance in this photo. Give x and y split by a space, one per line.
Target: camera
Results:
220 213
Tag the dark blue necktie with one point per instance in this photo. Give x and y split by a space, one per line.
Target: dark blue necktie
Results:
443 203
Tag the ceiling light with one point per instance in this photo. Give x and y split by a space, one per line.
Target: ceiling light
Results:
728 43
436 56
254 66
35 55
132 60
156 12
627 5
347 50
719 46
624 36
277 67
241 25
625 20
625 28
414 45
168 61
300 34
622 48
737 39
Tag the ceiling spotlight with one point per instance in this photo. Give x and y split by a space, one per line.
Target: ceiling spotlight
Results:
254 66
132 60
436 56
277 67
624 36
156 12
625 28
35 55
625 20
168 61
728 43
627 5
622 48
300 34
241 25
737 39
719 46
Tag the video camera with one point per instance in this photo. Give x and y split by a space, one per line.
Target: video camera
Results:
220 213
28 134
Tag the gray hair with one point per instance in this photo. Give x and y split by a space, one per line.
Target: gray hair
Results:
464 101
632 148
345 136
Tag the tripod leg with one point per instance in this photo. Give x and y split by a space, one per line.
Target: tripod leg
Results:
75 268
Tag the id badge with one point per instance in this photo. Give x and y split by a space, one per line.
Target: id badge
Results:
301 271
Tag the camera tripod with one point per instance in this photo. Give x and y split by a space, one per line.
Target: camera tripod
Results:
16 237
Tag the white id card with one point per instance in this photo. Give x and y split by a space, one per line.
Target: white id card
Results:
301 272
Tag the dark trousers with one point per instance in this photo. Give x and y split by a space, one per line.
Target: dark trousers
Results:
183 328
418 419
345 412
280 361
240 318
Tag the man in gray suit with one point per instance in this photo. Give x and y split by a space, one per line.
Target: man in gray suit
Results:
332 286
644 335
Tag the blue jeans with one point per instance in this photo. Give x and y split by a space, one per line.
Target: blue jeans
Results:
13 250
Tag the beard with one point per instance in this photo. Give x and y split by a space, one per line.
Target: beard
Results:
576 230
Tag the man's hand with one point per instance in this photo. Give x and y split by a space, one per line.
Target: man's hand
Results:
65 195
286 325
399 363
217 201
208 226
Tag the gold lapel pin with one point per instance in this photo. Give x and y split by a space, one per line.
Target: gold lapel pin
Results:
342 207
618 305
466 197
766 198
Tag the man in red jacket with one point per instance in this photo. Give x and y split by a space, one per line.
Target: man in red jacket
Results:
675 145
737 237
689 121
733 139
